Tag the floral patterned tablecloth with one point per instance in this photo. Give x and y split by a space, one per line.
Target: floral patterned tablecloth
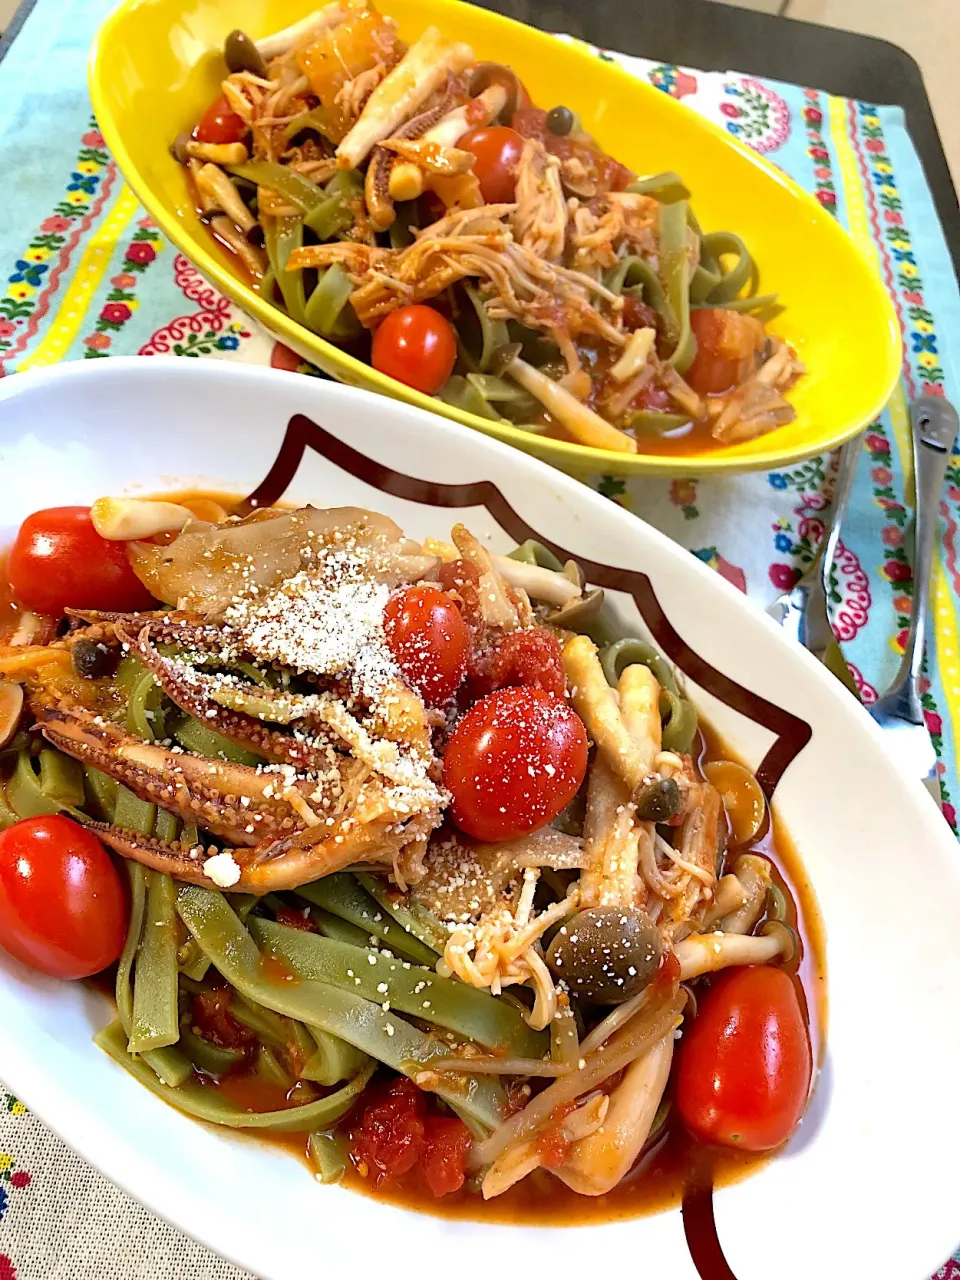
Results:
89 276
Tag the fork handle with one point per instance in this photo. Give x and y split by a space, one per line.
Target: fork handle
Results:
934 422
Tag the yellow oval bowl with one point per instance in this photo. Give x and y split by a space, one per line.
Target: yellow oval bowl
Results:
156 64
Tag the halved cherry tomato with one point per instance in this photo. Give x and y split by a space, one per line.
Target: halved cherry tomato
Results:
727 347
59 561
416 346
62 907
428 637
745 1063
220 124
497 150
443 1166
515 760
531 657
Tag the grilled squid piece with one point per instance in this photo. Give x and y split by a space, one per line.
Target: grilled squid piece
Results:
421 71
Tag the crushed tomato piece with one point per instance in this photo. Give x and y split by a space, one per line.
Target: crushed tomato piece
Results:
213 1021
390 1138
444 1164
532 658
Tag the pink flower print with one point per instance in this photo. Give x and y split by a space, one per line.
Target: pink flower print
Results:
933 389
827 198
877 444
874 145
821 173
56 225
892 536
93 139
880 475
97 341
903 604
730 109
7 329
123 281
950 813
895 219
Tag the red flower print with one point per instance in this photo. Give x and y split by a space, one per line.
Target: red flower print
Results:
877 444
123 281
914 296
880 475
897 571
141 251
933 389
6 1268
819 153
97 341
20 1179
783 576
730 109
953 491
950 813
827 198
822 174
7 329
93 139
892 536
934 726
55 226
889 504
874 145
116 312
901 640
895 219
812 115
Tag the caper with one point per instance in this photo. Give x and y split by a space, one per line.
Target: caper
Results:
90 660
607 954
241 54
658 800
560 121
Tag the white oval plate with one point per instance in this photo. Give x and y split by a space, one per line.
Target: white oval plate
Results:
867 1187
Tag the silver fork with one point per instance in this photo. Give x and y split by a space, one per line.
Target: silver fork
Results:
899 710
802 611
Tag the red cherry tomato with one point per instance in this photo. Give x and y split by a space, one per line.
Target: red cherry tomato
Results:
220 123
62 907
428 637
416 346
745 1063
531 657
515 760
59 561
497 150
443 1166
391 1136
727 347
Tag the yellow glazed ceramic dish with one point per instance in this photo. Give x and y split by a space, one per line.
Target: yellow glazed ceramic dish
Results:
156 64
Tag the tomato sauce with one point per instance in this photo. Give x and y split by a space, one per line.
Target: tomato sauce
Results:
658 1179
